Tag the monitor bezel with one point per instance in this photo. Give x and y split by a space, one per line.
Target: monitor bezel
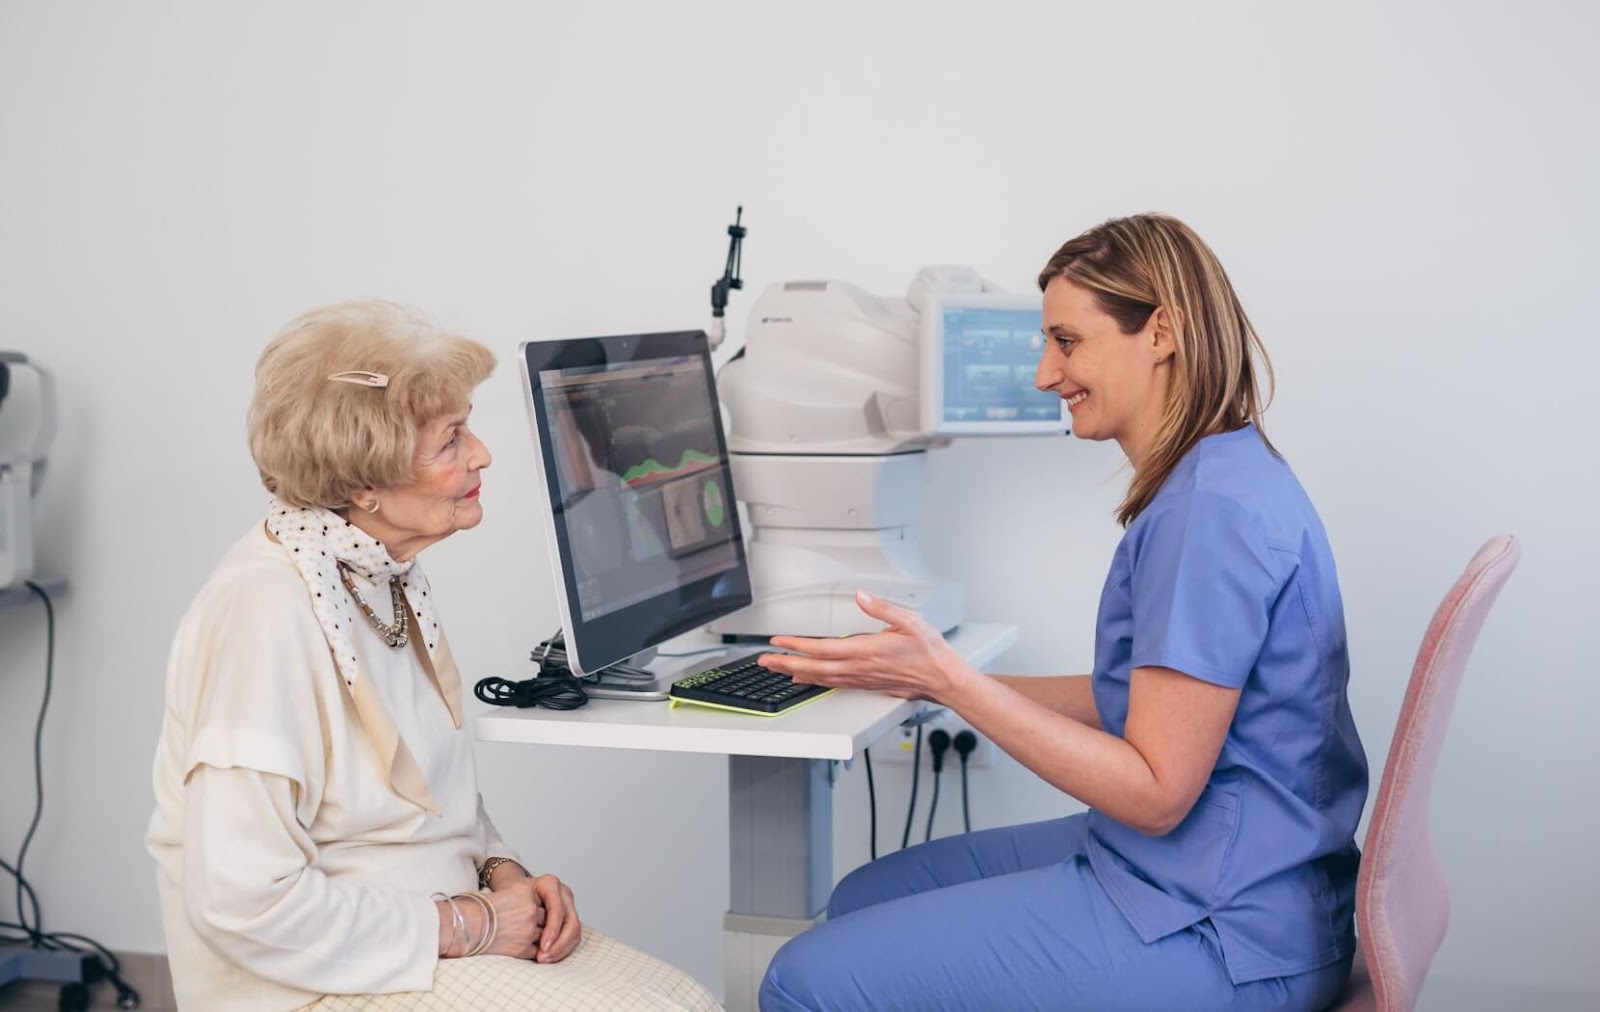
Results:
607 639
931 333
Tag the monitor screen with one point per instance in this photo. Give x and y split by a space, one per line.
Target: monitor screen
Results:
641 509
980 354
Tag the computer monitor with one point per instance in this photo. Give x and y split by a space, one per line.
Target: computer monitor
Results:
640 509
980 351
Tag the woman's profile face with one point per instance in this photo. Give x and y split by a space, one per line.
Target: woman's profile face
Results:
1110 380
443 497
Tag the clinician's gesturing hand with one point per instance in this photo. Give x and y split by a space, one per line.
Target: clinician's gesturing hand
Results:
908 659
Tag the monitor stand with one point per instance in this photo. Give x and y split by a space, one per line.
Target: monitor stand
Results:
630 678
609 685
648 675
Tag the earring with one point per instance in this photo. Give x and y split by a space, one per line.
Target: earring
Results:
372 508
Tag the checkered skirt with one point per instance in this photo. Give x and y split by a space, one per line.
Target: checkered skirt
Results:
601 974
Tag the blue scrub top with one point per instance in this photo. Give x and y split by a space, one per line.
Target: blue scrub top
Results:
1227 577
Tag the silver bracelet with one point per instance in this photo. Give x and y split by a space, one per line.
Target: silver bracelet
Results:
460 921
458 924
491 923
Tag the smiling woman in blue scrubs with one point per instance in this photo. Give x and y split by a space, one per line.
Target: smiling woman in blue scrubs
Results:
1213 744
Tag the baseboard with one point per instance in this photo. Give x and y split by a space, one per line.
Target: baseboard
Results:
145 972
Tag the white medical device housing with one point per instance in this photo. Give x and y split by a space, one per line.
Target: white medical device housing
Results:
980 355
27 425
832 406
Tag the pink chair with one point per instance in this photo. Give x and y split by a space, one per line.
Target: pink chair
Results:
1402 900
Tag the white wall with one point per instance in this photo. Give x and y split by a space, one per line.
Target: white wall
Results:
1405 199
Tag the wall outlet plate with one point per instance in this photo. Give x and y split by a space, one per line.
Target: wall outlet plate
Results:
899 745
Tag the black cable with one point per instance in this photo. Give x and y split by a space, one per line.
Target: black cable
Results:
872 804
553 686
38 761
553 692
33 932
911 806
965 744
938 744
966 814
22 883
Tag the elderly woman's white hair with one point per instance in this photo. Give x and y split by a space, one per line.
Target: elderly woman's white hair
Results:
317 441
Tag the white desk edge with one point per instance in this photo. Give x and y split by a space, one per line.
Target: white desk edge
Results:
833 727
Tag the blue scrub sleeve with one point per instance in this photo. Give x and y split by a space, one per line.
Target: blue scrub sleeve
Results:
1204 584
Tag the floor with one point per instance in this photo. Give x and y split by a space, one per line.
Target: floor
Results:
145 972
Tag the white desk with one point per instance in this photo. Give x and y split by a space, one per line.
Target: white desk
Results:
780 807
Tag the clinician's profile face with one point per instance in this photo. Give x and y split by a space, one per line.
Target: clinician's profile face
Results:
1115 384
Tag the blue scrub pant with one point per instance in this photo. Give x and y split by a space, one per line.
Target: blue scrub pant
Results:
1008 920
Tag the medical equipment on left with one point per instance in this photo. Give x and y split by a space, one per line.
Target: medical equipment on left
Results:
27 426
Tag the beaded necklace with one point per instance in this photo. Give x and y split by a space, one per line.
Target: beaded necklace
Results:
395 634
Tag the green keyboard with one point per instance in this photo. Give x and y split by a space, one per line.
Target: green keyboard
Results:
746 686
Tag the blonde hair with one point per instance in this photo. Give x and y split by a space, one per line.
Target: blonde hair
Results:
318 441
1133 266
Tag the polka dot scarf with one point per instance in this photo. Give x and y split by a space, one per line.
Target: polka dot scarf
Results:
317 541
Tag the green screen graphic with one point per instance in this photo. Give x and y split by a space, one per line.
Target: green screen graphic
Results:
653 470
716 509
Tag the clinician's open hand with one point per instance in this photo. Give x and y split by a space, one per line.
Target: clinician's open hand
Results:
908 659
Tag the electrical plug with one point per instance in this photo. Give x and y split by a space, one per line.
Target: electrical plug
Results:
965 744
938 745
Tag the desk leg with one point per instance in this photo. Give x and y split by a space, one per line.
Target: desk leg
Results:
780 859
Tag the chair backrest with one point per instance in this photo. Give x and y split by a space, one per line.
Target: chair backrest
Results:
1402 901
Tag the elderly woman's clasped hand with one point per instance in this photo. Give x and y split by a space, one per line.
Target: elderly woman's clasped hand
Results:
908 659
535 918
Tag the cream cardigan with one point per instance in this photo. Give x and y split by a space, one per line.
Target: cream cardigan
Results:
288 867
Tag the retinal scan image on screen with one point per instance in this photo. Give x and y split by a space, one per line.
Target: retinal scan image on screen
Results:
644 491
990 356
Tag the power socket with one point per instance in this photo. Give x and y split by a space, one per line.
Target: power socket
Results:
900 744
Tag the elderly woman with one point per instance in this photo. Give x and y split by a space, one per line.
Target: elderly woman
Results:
320 838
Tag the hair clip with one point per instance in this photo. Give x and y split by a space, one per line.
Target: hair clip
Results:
361 378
